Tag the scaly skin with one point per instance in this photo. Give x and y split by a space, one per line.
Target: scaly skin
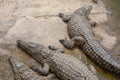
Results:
23 72
81 34
63 65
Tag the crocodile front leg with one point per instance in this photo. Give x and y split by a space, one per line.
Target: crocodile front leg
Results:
41 70
56 49
64 17
78 40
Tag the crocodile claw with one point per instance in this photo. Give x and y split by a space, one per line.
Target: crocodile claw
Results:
62 41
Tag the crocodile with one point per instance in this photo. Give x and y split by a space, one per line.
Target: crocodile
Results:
23 72
64 66
79 28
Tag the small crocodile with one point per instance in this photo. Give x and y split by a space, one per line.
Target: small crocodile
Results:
23 72
64 66
80 31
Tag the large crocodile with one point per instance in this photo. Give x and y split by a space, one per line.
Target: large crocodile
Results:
80 31
65 66
23 72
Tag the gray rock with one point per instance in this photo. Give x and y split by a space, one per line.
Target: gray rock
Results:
45 31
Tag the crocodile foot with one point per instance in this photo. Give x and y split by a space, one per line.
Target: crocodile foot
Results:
56 49
64 17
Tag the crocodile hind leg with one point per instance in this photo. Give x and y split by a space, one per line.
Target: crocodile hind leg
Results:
44 71
78 40
41 70
56 49
64 17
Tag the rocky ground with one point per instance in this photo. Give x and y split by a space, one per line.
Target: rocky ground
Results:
38 21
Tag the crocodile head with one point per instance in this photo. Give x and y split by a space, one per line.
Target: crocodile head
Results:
84 11
36 51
